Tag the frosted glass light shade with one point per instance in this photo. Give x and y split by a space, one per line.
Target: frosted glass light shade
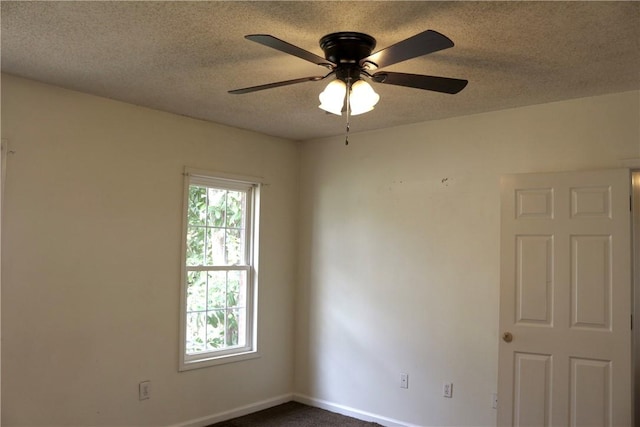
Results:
332 97
362 98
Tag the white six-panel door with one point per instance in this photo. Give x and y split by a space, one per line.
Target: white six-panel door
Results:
565 300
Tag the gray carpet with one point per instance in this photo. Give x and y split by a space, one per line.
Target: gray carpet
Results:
294 414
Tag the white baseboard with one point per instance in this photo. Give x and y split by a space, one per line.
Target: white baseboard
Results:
237 412
301 398
350 412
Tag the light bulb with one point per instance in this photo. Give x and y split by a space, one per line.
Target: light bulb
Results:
362 98
332 98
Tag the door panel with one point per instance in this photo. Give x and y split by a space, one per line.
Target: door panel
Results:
532 389
590 392
534 280
566 299
591 281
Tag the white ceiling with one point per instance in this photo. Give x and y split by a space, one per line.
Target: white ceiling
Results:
182 57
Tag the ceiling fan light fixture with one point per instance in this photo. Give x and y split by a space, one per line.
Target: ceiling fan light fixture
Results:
348 55
332 97
362 98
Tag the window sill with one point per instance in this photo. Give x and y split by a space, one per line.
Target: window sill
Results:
217 360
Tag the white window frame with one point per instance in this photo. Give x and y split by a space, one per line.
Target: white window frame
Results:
250 351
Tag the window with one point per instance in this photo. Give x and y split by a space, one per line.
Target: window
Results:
219 280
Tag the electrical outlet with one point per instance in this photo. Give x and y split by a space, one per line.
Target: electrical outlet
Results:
494 400
144 390
404 380
447 390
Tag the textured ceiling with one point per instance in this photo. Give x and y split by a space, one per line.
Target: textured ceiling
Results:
182 57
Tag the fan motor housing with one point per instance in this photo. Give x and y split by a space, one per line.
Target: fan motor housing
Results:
347 47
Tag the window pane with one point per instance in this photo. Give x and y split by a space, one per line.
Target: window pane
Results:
197 205
236 289
235 324
235 247
196 332
235 209
217 289
196 290
195 245
215 329
215 247
216 209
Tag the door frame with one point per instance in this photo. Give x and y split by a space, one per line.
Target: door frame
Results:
634 168
635 310
4 151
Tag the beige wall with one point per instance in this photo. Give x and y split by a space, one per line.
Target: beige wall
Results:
397 270
399 251
91 261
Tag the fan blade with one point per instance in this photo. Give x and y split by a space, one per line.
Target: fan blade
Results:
277 84
285 47
421 44
419 81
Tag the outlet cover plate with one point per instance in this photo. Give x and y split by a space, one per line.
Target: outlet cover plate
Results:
144 390
447 390
404 380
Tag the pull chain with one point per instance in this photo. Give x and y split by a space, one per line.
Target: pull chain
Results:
346 137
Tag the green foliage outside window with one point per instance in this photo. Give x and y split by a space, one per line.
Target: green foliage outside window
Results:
215 298
215 234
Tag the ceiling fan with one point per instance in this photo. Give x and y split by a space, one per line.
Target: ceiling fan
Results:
348 57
